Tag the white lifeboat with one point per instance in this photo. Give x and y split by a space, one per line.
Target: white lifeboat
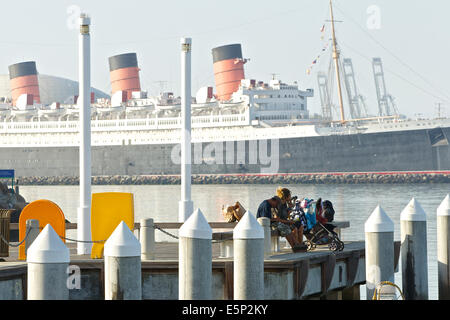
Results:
25 107
54 110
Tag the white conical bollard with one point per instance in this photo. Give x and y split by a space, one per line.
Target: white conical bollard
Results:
443 248
379 234
47 259
413 227
248 270
123 265
195 258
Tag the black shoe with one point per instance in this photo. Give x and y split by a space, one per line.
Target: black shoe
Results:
300 248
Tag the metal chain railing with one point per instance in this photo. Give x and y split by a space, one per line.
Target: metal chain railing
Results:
167 233
93 241
15 244
28 232
176 237
83 241
155 227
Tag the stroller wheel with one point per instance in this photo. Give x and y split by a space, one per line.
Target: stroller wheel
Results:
309 245
334 246
341 245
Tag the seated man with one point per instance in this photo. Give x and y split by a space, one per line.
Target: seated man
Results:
285 227
287 206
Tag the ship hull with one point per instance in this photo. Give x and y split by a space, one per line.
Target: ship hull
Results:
414 150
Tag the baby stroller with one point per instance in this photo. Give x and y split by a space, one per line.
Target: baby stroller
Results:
323 234
316 233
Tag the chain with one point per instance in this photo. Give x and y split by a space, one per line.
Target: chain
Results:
28 232
97 241
164 231
175 237
18 244
156 227
83 241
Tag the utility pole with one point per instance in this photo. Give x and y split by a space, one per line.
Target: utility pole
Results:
186 206
336 63
84 211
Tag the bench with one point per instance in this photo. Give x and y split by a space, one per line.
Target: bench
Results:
226 242
226 239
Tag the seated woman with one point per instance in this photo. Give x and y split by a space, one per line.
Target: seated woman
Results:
271 208
288 203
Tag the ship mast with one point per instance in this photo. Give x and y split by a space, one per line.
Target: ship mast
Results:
336 63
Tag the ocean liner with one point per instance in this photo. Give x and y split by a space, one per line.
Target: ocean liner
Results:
246 126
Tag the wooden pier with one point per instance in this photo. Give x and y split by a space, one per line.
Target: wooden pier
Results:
317 274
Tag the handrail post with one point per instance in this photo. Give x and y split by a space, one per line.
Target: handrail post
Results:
147 239
31 232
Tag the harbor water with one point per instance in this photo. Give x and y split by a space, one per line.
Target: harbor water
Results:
353 203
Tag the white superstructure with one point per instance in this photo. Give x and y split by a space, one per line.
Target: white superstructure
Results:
275 102
256 111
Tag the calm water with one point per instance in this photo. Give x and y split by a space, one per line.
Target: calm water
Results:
354 203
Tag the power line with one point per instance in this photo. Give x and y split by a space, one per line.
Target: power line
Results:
393 55
209 31
41 44
396 74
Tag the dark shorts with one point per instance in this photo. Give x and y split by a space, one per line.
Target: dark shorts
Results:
298 224
284 229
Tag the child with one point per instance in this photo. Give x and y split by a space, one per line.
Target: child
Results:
309 209
298 216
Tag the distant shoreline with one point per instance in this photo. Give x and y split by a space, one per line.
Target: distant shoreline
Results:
297 178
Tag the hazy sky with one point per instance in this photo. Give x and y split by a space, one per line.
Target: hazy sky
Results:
281 37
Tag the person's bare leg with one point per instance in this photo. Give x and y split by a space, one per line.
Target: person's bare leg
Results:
292 239
300 234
